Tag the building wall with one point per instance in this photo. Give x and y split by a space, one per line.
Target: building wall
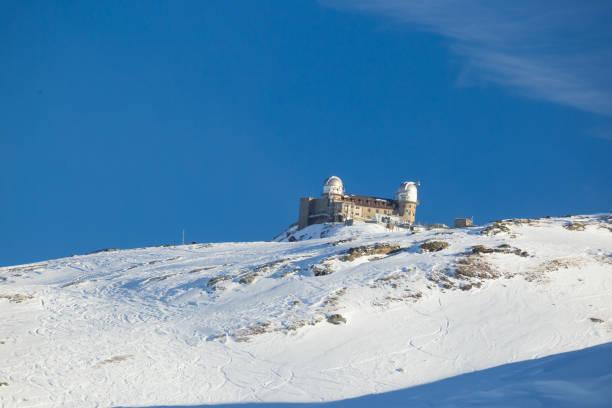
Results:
304 212
463 222
407 211
361 208
363 212
318 210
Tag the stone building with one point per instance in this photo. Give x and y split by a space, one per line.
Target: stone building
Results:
463 222
336 206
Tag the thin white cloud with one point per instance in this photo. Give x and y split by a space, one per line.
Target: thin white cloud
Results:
560 51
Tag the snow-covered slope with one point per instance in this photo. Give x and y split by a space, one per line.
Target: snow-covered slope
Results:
361 310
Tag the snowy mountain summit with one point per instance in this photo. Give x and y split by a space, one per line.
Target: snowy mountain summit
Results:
515 313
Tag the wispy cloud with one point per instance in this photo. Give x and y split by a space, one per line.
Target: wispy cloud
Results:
560 51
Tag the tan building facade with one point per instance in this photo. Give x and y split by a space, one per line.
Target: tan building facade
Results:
336 206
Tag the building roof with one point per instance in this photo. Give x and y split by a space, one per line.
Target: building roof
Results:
369 201
333 181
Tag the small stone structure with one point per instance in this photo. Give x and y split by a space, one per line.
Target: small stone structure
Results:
463 222
336 206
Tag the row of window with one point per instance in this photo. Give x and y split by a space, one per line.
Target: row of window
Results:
356 209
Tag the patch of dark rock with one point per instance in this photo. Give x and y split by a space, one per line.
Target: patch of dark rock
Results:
475 266
206 268
334 299
433 246
336 319
102 250
596 320
468 286
342 241
365 250
17 298
290 271
322 270
244 335
115 359
495 228
575 226
218 279
247 279
506 249
268 266
159 278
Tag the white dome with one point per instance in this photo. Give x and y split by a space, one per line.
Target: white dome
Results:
407 191
333 185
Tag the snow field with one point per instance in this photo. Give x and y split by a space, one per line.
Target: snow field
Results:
175 325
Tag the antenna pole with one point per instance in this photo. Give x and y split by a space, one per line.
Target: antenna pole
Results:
183 236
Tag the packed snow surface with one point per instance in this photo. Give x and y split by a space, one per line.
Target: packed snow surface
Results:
359 315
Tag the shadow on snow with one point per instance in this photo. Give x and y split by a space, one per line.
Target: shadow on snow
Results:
580 378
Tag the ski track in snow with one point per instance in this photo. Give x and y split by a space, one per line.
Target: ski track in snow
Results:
146 327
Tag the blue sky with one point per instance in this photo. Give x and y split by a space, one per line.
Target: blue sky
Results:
121 123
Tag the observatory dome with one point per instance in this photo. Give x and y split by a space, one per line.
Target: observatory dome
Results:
333 185
407 191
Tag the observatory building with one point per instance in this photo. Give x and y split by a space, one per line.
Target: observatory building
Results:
336 206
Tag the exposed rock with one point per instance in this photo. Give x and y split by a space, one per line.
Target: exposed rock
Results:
342 241
502 249
475 266
495 228
16 298
217 279
159 278
245 334
102 250
575 226
365 250
115 359
336 319
247 279
322 270
433 246
268 266
333 300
